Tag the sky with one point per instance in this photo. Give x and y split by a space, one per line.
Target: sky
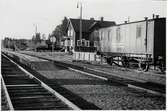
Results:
18 18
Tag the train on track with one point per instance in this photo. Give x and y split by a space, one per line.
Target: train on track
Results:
141 42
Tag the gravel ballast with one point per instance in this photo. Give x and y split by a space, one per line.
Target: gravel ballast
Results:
106 96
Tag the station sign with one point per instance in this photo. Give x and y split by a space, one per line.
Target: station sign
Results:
53 39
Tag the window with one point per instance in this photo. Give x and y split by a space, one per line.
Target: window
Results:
71 33
118 35
138 31
109 35
95 33
83 42
87 43
78 43
95 44
71 42
68 32
101 35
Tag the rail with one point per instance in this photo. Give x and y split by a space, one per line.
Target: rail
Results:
63 99
7 95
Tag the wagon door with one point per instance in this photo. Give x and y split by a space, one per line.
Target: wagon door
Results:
140 46
150 37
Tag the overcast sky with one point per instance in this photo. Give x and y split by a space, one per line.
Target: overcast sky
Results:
18 17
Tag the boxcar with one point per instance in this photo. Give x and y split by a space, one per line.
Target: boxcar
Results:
142 42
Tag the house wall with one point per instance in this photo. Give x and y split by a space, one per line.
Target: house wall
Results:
71 34
95 39
94 36
85 35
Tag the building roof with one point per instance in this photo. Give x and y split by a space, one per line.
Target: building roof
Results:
87 24
102 24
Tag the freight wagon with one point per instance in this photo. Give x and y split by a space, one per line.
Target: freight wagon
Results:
141 42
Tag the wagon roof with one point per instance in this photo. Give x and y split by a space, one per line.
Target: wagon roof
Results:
141 21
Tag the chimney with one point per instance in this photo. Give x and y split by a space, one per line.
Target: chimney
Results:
126 22
146 18
101 18
92 19
153 16
157 16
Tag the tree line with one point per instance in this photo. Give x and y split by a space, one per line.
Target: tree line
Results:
38 38
58 33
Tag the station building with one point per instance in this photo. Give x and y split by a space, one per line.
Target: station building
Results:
89 40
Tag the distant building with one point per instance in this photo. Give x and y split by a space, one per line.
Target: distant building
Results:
88 30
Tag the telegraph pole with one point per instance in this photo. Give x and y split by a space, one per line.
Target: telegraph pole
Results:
35 25
80 22
35 29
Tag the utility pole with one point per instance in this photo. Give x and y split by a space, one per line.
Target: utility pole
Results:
35 35
36 29
35 25
80 23
80 31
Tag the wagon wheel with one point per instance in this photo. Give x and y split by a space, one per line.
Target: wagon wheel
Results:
125 61
110 60
161 66
144 66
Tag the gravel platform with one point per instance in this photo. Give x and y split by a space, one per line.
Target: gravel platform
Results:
133 74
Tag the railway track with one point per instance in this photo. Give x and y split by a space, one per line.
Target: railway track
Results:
102 92
27 92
